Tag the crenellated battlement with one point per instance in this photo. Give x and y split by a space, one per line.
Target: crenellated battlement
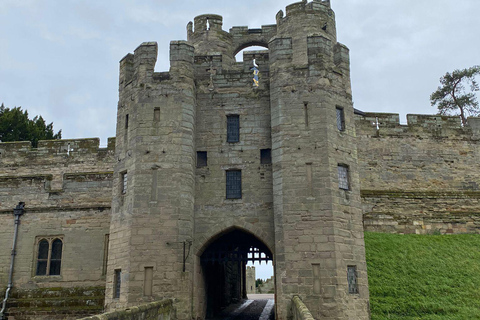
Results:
138 68
73 148
388 124
307 18
308 7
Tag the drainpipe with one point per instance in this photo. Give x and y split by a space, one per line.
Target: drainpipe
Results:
17 212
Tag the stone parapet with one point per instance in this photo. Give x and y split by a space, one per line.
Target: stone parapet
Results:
300 310
164 310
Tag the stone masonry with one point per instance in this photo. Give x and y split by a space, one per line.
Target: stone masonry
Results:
164 201
141 219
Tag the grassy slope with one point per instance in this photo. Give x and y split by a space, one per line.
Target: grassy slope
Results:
423 276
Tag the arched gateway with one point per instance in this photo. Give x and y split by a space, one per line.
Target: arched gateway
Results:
210 167
223 268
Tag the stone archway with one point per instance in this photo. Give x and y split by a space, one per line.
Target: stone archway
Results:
223 267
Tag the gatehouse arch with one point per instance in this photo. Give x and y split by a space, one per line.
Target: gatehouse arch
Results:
221 268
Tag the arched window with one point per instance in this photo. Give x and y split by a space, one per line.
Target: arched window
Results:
49 256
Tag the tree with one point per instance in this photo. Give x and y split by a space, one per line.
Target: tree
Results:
453 98
258 282
16 126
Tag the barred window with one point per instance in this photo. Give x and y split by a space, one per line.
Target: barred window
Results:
234 184
124 177
49 256
117 283
201 158
343 182
233 128
340 119
352 279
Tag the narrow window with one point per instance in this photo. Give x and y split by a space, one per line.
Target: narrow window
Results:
340 119
343 177
49 257
124 178
352 279
234 184
156 114
316 278
201 159
56 257
266 156
309 179
126 121
117 283
233 128
305 110
42 261
105 254
148 281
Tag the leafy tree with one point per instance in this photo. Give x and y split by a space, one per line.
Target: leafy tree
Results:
258 282
453 96
16 126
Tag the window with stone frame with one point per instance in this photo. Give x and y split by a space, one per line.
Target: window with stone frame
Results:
343 179
340 119
124 180
233 128
48 255
233 184
117 283
352 279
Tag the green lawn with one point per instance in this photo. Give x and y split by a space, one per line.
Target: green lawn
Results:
423 276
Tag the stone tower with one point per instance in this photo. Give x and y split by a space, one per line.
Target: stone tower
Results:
212 170
153 194
318 217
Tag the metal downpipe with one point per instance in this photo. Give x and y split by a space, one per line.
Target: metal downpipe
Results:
18 211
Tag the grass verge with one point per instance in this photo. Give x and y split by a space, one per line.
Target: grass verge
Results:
423 276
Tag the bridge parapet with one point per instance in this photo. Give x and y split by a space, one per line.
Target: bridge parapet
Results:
163 309
300 310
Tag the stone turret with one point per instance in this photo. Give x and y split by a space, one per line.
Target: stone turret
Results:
152 212
209 38
318 217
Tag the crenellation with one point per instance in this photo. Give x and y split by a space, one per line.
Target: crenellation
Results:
127 70
426 126
207 22
145 57
67 150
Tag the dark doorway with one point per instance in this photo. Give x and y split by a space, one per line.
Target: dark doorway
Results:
224 268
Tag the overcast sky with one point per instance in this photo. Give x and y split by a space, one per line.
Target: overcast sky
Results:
60 58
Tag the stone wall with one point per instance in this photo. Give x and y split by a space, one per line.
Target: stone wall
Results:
159 310
268 286
421 177
67 189
55 303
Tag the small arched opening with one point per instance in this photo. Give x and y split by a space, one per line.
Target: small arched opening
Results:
250 46
224 268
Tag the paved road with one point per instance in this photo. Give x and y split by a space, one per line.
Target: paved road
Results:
258 309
